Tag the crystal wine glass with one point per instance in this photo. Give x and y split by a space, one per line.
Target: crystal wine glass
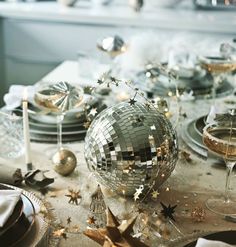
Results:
220 139
11 135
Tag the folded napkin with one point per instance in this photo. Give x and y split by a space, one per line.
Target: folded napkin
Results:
8 201
14 97
208 243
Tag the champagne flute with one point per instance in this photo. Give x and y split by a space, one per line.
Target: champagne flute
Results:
220 139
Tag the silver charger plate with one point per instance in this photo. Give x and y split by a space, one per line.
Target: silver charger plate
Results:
192 137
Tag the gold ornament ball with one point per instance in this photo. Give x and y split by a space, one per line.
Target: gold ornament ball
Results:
64 162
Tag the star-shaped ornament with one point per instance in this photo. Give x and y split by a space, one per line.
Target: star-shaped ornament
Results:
68 220
93 112
184 115
153 127
150 137
155 194
168 212
115 234
60 233
86 124
186 156
138 192
132 101
99 81
105 78
91 220
140 210
74 196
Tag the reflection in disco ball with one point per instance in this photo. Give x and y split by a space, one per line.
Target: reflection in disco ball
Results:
131 145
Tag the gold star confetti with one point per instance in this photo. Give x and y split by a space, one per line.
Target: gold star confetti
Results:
68 220
140 210
155 194
43 211
79 114
115 234
60 233
86 124
186 156
74 196
91 220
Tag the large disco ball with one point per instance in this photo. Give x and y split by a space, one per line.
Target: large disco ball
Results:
128 146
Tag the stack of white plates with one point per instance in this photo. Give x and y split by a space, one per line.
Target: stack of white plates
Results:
43 125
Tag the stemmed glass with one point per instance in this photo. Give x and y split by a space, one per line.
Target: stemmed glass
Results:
220 139
218 67
59 98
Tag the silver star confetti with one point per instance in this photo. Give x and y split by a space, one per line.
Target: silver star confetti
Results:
138 192
153 127
93 111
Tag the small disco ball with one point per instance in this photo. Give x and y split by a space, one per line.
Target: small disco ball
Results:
128 146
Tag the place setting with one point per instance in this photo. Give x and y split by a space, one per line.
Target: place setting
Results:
43 123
